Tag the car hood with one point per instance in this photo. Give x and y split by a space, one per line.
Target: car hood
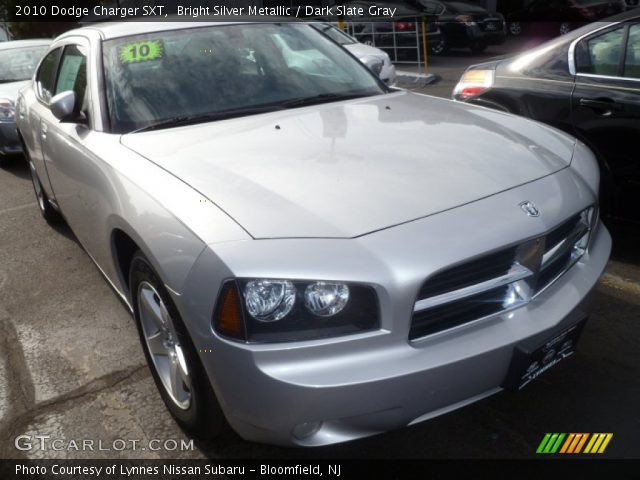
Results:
10 90
361 50
349 168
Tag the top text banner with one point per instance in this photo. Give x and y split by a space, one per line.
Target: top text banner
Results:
200 10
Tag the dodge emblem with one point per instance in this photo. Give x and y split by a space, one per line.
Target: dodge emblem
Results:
530 209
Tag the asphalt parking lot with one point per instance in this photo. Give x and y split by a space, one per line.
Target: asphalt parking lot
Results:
71 366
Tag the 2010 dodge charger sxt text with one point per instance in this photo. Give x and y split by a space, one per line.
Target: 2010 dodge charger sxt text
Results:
309 254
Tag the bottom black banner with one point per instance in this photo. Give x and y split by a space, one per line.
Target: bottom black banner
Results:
314 468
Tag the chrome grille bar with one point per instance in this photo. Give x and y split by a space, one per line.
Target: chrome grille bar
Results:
517 272
500 281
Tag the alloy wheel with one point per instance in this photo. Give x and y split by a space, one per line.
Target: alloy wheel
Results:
164 346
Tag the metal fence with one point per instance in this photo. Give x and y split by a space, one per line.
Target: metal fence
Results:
402 39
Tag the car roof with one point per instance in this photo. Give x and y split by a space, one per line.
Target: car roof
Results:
117 29
628 16
631 14
39 42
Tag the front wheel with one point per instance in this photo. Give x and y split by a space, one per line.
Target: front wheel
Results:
439 48
515 28
171 355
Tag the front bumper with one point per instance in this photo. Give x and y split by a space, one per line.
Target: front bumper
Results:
9 141
402 384
363 384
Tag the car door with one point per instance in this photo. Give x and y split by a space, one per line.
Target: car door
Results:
43 90
606 108
73 171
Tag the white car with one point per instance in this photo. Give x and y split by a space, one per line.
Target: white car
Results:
387 72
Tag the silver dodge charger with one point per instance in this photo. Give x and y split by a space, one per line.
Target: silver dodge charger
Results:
310 256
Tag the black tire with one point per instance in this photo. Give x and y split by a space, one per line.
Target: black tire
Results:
564 28
50 214
515 28
203 418
439 48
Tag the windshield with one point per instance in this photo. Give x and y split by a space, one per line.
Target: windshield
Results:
334 33
198 72
18 64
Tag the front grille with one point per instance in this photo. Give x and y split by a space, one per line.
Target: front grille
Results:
560 250
491 26
498 281
476 271
453 314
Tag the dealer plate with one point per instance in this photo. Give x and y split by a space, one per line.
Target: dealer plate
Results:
527 365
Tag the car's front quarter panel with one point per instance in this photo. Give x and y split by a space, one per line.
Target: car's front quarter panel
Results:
102 186
166 218
381 377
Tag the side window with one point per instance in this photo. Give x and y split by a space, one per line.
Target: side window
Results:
632 59
600 55
45 76
72 73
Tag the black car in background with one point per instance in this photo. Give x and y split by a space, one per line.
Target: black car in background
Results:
586 83
401 38
550 18
463 25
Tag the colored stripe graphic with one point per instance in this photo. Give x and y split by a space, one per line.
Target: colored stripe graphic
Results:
574 443
581 443
567 442
550 443
591 442
555 447
543 443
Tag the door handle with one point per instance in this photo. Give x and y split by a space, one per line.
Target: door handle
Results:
43 131
601 106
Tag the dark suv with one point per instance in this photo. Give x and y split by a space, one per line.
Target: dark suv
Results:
553 17
463 25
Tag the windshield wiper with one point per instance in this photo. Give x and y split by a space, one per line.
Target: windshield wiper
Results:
182 120
322 98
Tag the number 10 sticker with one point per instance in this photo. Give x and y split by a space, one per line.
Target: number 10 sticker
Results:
141 51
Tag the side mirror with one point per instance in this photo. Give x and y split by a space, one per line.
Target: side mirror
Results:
63 106
374 64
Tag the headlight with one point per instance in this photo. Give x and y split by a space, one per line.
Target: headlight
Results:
269 300
275 310
326 299
466 19
7 111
